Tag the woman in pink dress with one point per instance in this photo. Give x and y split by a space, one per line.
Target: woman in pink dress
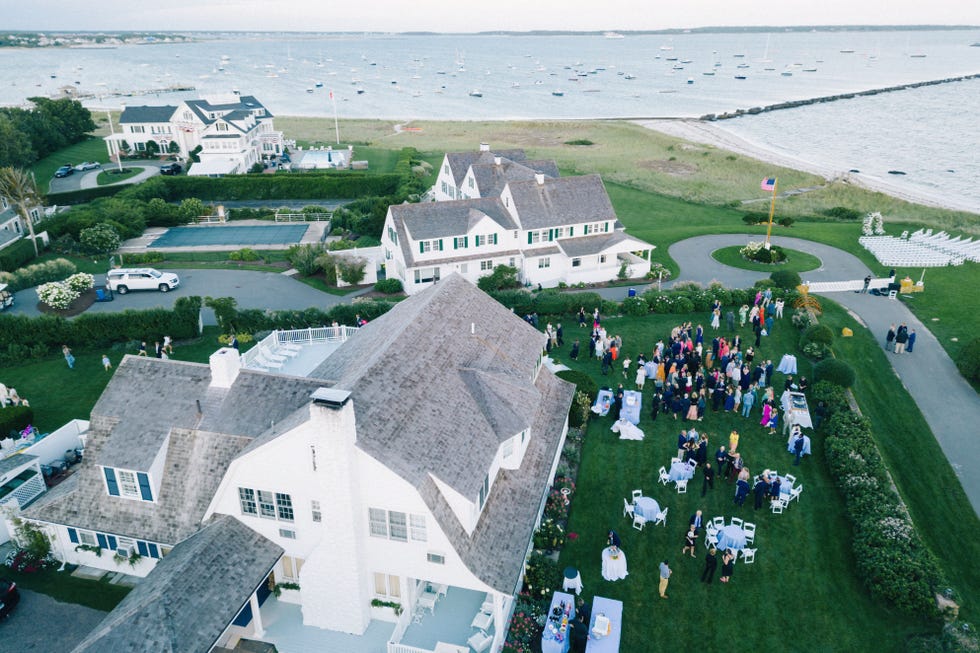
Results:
766 414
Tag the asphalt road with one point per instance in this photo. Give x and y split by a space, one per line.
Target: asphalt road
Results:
250 289
39 623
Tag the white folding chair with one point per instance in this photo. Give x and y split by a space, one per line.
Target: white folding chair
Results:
639 522
748 556
795 492
675 459
718 522
664 476
627 508
710 539
682 487
737 521
637 494
661 518
777 506
774 472
749 533
791 479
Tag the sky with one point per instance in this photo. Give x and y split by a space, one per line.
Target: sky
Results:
469 16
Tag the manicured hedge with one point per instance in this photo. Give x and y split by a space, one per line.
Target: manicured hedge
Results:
389 286
15 418
26 337
16 255
293 185
233 320
834 371
891 558
34 275
83 195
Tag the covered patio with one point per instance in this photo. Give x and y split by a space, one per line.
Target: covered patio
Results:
283 623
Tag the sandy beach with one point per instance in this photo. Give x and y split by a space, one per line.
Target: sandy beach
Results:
712 133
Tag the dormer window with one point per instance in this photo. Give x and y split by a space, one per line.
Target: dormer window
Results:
222 127
128 484
484 491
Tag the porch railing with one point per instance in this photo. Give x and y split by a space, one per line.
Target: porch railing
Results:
308 336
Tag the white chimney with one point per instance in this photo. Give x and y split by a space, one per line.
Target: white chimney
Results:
225 365
496 160
484 147
539 177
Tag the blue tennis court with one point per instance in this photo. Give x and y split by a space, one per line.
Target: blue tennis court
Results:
238 235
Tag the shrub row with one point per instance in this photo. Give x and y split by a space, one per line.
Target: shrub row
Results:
293 185
26 337
83 195
968 360
891 558
233 320
34 275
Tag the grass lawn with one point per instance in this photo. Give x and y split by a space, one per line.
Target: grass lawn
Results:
61 586
319 283
796 261
113 176
804 575
93 149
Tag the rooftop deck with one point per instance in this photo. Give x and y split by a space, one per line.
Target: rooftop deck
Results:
296 352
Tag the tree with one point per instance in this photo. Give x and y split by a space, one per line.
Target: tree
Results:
15 146
21 191
351 270
101 238
152 148
502 277
174 147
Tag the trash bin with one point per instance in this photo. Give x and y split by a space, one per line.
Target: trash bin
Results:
632 292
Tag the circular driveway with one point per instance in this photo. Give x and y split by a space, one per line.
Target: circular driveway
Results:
40 623
250 289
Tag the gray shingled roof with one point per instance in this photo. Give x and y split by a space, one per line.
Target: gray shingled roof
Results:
146 114
561 201
496 550
420 382
584 246
428 220
127 431
546 166
192 595
491 178
460 162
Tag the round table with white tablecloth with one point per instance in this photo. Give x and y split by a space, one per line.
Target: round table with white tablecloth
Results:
681 471
613 563
731 537
572 580
646 507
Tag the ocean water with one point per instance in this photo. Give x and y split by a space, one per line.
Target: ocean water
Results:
924 132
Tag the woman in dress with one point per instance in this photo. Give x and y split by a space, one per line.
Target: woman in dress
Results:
727 566
732 441
690 541
692 409
716 319
581 317
729 399
702 404
766 412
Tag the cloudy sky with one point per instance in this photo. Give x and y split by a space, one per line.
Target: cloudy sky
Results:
469 16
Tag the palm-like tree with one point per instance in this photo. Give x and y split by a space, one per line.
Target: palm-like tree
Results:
20 190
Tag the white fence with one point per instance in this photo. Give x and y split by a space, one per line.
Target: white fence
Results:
277 339
304 217
847 286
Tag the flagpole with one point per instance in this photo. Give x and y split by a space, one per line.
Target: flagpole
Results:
336 126
772 210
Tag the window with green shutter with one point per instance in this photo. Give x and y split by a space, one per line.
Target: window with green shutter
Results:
605 226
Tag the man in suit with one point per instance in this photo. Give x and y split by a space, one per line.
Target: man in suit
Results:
696 521
709 479
721 457
710 564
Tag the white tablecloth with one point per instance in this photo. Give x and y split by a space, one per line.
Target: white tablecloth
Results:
787 365
681 471
602 402
731 537
626 430
613 569
574 584
551 640
612 610
646 507
632 404
806 445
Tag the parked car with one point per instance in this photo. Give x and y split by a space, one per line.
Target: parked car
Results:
122 280
6 297
64 171
88 165
170 169
9 596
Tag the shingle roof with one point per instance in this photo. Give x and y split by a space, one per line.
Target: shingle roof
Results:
420 382
561 201
496 550
127 431
146 114
192 595
460 162
428 220
491 178
584 246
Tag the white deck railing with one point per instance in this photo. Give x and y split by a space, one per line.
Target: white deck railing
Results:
310 336
304 217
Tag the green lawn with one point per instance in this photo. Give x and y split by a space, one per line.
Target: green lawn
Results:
796 261
113 176
61 586
804 573
94 149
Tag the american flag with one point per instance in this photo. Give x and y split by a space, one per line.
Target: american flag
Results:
769 183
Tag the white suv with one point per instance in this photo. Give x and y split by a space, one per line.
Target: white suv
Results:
122 280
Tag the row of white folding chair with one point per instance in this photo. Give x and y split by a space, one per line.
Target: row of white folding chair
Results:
749 530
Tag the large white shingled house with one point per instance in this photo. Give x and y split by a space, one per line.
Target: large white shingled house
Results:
410 467
498 208
234 133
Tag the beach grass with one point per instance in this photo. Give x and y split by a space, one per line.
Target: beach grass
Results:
804 577
796 261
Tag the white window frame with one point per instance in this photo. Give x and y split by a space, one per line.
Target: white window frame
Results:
576 262
128 486
247 501
435 558
486 266
508 449
416 528
480 240
87 538
315 511
267 507
535 237
378 522
544 262
387 585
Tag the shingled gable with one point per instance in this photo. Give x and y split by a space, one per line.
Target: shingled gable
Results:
491 177
460 162
429 220
192 595
128 430
561 201
407 372
144 114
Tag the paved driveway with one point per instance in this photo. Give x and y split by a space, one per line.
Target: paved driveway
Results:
39 623
250 289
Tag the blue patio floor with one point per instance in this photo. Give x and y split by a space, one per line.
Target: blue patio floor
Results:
449 623
234 235
284 628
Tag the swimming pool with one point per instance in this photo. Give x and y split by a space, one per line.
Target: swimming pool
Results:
231 235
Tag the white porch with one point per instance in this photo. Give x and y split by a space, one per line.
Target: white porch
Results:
296 352
283 624
448 625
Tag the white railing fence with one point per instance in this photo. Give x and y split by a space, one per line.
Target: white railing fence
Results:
312 335
304 217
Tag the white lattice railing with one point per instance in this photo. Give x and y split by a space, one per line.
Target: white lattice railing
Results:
274 340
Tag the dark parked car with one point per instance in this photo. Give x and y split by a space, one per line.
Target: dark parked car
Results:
9 596
64 171
170 169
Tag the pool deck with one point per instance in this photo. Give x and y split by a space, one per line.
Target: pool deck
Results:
313 235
